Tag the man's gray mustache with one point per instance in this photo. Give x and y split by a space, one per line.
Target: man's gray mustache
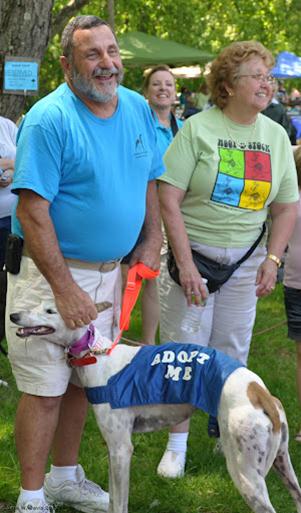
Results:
105 72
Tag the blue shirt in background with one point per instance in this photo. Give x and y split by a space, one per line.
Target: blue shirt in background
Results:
164 134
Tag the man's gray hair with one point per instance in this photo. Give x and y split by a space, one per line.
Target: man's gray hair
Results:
79 23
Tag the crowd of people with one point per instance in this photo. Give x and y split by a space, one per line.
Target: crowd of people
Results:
97 169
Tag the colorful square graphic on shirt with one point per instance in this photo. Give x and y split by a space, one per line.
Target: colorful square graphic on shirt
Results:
232 162
254 194
258 166
243 179
227 190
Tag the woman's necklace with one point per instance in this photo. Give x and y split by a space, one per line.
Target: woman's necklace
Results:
240 144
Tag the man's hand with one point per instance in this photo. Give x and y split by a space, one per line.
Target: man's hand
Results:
148 253
75 306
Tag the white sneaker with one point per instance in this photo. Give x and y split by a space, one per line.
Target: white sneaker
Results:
83 495
33 506
172 464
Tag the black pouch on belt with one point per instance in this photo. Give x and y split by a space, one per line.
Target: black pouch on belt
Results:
13 253
216 274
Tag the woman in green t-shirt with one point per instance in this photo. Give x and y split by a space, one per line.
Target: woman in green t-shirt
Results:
226 169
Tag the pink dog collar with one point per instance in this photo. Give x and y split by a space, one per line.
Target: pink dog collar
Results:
85 342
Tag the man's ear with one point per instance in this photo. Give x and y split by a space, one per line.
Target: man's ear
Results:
65 64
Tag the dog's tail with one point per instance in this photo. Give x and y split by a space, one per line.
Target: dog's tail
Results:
261 398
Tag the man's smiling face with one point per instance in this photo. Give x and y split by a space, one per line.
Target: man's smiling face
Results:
96 68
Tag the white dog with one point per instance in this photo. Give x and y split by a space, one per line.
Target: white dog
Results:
253 425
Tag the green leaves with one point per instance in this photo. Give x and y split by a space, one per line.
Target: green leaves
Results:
208 25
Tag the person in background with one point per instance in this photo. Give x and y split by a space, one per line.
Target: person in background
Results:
159 88
86 170
190 108
282 95
276 111
8 134
294 97
292 284
227 167
202 97
184 93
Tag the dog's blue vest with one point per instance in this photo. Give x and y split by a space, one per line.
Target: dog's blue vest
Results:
173 373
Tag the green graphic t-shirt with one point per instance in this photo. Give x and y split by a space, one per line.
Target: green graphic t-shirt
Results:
231 174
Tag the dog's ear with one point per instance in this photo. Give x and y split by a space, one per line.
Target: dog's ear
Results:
100 307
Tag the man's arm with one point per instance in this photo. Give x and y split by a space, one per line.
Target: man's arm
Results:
72 302
148 251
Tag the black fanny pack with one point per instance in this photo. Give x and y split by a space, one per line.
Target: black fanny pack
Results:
215 273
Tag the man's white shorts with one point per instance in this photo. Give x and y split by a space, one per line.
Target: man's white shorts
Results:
40 366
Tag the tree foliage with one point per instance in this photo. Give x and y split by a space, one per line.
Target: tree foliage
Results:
207 24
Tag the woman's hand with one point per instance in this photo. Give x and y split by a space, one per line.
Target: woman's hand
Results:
266 277
192 284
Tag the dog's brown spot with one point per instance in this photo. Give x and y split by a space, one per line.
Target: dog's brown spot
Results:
261 398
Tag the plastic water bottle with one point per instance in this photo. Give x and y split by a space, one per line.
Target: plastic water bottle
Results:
192 319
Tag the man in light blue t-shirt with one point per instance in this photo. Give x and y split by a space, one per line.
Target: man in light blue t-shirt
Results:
85 176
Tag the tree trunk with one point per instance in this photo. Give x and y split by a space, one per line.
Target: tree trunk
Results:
111 13
24 32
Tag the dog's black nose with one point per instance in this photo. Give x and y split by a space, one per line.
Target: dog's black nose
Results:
14 317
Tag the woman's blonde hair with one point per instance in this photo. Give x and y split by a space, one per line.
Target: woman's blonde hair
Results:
225 68
297 157
160 67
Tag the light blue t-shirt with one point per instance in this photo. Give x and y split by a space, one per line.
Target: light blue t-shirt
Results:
94 172
164 134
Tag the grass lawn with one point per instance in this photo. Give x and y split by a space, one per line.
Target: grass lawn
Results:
206 487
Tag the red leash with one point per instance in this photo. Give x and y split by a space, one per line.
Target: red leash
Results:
135 277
